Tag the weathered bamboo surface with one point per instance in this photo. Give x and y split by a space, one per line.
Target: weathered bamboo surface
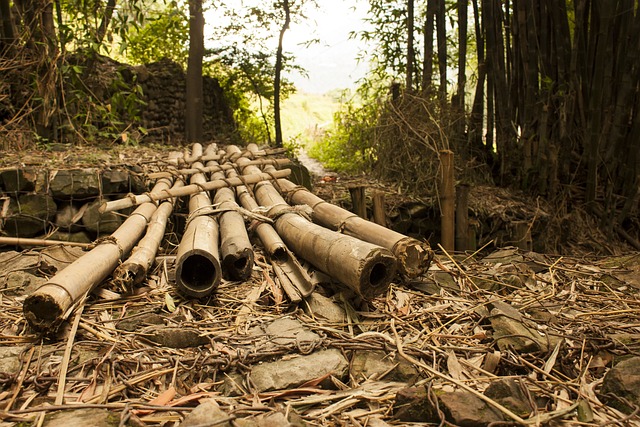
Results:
365 268
198 270
414 256
235 247
50 304
187 190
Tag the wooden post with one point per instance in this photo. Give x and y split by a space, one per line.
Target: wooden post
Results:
462 217
447 200
521 235
379 212
358 201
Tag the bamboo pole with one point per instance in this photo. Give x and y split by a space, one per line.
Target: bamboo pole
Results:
379 212
462 217
358 201
188 190
52 302
215 167
414 256
365 268
134 270
22 241
198 270
447 201
235 248
285 263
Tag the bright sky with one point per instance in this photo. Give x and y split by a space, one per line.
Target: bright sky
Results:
331 64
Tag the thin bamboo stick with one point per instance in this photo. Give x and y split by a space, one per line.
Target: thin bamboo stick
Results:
21 241
188 190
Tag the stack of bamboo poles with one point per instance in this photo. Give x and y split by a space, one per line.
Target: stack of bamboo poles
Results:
228 188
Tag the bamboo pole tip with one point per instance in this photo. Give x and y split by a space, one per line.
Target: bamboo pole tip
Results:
198 273
414 257
238 265
377 272
43 311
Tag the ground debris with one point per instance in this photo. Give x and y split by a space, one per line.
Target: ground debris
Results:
440 340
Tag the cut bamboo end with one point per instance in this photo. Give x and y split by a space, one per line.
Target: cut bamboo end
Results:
377 272
198 273
414 257
45 308
239 265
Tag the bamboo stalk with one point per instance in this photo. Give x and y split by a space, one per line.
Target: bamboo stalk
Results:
285 263
198 270
215 167
134 270
414 256
358 201
235 248
188 190
447 201
379 213
365 268
50 304
462 217
22 241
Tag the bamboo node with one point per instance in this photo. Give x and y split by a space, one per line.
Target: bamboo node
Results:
277 211
112 240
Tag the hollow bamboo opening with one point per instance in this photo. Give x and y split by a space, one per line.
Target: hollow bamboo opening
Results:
197 274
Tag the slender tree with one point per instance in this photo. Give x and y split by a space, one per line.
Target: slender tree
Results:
410 47
193 119
278 72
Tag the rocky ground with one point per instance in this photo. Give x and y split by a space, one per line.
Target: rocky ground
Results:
498 337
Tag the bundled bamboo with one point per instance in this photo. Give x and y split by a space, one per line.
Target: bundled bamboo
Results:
292 276
134 270
365 268
235 247
198 270
215 167
188 190
51 303
413 255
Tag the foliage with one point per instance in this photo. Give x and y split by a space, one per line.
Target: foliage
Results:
164 35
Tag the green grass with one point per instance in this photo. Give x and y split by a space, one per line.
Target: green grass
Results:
305 116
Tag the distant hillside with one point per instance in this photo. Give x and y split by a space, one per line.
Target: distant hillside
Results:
305 116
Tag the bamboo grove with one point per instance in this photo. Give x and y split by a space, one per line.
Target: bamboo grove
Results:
544 93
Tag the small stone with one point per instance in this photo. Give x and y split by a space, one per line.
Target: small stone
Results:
511 332
412 404
66 217
207 413
319 306
286 331
100 223
622 382
10 360
79 237
176 337
22 283
510 394
115 182
289 373
368 364
464 409
83 418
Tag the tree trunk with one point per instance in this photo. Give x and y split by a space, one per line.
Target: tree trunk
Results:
193 121
442 49
278 71
462 53
410 51
427 67
8 33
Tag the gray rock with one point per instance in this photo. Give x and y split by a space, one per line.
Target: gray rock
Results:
18 180
412 404
510 394
75 184
300 175
510 331
115 182
319 306
29 215
289 373
78 237
233 385
100 223
464 409
207 413
65 217
22 283
175 337
10 360
286 331
368 364
83 418
622 382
